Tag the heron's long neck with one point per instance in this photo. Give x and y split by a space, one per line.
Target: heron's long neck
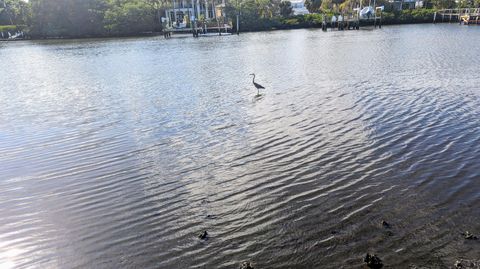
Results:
253 79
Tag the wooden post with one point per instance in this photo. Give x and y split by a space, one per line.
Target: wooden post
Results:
192 15
206 10
358 20
213 9
380 23
174 12
198 9
324 23
167 16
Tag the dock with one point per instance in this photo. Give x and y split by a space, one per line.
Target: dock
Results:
200 30
354 19
464 16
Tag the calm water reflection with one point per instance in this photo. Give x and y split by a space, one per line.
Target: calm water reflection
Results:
113 152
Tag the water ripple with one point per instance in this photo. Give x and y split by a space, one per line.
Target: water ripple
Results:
119 152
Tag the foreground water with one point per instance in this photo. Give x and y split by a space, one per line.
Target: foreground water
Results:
117 153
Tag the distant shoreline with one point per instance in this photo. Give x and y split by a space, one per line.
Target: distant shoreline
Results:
82 37
282 27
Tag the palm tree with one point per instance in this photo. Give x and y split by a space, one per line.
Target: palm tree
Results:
7 11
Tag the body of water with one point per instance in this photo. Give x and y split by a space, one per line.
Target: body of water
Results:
116 153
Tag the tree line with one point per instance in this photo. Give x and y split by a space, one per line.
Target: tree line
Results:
338 6
91 18
82 18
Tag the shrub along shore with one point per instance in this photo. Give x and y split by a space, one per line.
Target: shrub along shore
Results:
247 24
315 20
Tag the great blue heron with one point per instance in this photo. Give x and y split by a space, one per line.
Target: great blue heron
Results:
258 86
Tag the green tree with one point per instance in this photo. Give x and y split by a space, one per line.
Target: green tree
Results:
67 18
158 6
467 3
313 6
83 18
267 8
14 12
327 6
130 17
286 9
441 4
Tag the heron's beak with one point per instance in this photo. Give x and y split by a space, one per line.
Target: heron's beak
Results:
251 74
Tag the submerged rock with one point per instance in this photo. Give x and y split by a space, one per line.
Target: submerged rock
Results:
387 225
203 235
373 261
246 265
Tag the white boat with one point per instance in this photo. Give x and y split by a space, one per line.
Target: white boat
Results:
367 13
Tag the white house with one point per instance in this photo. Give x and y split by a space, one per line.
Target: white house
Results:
182 12
406 4
298 7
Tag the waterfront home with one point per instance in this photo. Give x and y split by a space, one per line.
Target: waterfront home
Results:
298 7
405 4
182 12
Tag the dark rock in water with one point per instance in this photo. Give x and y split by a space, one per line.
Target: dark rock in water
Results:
469 236
373 261
385 224
458 264
389 233
203 235
246 265
209 216
334 232
467 264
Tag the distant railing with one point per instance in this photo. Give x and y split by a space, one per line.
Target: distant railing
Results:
460 12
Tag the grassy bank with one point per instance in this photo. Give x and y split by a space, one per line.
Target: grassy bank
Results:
9 28
12 29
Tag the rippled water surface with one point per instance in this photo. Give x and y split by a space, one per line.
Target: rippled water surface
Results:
116 153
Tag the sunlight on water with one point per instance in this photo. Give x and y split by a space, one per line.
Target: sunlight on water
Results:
117 153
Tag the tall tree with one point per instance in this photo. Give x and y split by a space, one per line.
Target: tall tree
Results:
67 18
130 17
286 9
14 12
313 6
443 3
